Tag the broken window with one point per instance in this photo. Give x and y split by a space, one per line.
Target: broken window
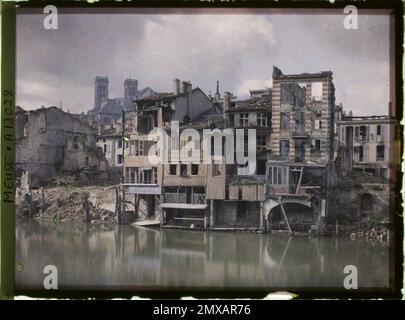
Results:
215 170
262 119
146 176
173 169
261 142
293 93
284 121
183 170
299 150
286 92
194 169
318 125
299 123
243 119
284 148
316 146
380 133
380 153
316 91
363 133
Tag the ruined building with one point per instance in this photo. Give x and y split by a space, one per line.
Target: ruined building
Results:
50 142
368 141
236 201
109 139
302 148
148 186
302 152
366 168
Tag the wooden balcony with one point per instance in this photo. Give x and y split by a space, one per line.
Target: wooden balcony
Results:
184 181
196 198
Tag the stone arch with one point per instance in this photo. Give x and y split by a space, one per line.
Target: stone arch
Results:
299 214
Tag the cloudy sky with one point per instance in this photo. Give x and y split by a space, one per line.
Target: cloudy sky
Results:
239 50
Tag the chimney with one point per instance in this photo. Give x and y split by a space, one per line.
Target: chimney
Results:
227 101
176 86
184 86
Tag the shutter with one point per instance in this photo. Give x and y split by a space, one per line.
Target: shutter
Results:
365 154
356 133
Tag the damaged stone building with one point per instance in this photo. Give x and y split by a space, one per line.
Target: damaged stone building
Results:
369 141
50 141
302 149
110 140
302 155
366 170
236 201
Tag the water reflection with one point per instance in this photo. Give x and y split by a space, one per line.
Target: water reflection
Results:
118 257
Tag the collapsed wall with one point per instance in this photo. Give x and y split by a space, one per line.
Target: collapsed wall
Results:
50 142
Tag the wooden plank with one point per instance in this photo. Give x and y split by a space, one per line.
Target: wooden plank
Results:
196 219
152 222
285 215
299 181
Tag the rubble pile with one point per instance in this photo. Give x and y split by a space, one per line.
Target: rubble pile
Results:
364 229
93 204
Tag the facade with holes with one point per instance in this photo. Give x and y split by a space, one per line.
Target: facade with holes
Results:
369 141
154 189
302 151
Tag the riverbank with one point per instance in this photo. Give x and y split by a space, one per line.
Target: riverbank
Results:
96 204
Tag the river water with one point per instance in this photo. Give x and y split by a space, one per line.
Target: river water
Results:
126 257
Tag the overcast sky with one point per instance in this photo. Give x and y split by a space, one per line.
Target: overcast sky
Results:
56 66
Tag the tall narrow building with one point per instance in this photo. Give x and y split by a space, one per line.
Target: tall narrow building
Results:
100 91
130 89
